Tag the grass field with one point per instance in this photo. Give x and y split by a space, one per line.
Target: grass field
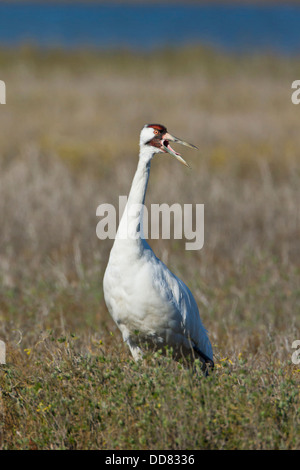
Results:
68 142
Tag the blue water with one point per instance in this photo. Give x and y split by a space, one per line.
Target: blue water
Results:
235 28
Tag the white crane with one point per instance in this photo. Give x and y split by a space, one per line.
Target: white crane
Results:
149 303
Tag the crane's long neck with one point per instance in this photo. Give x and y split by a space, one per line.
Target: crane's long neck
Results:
131 224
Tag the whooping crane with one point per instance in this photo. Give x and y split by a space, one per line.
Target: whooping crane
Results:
146 300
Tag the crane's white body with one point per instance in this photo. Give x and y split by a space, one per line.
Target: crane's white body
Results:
148 302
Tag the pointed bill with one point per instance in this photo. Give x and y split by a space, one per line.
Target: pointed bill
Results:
167 147
179 141
176 155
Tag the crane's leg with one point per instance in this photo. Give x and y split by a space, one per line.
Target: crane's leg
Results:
135 350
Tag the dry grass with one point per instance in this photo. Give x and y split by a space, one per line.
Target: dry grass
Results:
68 136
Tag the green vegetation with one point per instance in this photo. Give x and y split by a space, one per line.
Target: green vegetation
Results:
68 142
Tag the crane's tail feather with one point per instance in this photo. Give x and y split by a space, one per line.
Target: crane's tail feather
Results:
208 363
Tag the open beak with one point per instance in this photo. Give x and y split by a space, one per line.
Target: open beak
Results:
167 147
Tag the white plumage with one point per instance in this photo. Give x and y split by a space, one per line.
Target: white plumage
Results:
149 303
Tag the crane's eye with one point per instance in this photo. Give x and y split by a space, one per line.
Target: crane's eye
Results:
155 131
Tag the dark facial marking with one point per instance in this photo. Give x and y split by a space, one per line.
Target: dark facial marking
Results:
159 132
155 142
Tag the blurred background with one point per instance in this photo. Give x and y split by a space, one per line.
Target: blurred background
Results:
82 79
234 27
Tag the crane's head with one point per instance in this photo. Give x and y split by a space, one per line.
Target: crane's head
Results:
156 137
